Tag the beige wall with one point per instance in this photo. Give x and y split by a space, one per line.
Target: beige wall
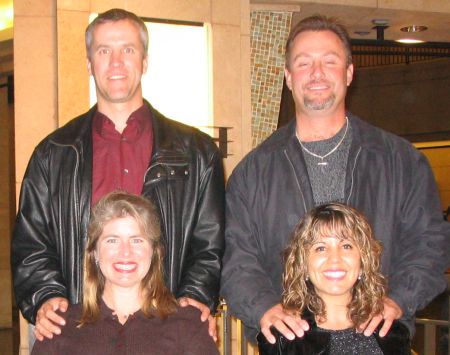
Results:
6 204
6 181
438 155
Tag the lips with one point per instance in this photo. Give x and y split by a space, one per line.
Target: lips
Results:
317 86
116 77
334 274
125 267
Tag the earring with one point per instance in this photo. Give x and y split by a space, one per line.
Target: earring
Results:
307 278
96 262
360 276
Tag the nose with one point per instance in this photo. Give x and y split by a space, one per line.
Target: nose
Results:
125 249
334 254
317 69
116 58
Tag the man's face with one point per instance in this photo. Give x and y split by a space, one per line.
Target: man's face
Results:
317 72
117 62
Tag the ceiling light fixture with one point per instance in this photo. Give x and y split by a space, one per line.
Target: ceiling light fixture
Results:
409 41
362 33
380 26
414 28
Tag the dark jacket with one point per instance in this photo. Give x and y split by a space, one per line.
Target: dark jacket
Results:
395 342
386 178
185 180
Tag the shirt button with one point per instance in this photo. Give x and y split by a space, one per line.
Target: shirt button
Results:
172 172
124 138
125 171
158 175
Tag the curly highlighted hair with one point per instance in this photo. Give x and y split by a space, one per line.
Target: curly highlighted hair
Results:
343 222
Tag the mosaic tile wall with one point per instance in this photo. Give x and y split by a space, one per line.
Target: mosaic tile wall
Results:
269 32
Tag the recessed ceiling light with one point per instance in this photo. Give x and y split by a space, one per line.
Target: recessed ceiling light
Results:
414 28
380 22
409 40
362 33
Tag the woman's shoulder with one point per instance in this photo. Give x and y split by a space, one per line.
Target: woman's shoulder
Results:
396 341
188 314
313 342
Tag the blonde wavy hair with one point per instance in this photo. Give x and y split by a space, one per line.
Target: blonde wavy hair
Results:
158 300
343 222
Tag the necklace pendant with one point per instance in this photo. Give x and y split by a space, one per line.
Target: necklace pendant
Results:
322 163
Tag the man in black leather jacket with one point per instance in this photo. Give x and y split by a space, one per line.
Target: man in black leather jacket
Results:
184 179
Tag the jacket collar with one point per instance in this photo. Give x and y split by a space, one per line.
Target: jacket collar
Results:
364 135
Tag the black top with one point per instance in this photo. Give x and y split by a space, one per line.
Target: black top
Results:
318 341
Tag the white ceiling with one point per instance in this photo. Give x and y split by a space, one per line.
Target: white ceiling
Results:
359 18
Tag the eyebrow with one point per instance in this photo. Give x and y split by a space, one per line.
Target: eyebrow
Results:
307 55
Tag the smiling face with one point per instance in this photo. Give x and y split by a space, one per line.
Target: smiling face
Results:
317 73
117 62
333 267
124 253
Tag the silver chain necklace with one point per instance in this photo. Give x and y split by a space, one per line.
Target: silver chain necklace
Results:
322 157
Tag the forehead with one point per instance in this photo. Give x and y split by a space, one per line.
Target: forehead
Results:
121 225
117 31
317 42
326 232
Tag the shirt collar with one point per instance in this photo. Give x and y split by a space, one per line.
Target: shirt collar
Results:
138 122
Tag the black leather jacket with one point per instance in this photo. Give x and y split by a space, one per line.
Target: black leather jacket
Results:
185 180
395 342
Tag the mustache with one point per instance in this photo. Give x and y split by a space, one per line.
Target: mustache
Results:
316 82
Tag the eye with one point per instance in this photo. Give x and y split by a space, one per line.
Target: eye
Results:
128 50
347 246
137 240
319 248
104 51
302 64
111 240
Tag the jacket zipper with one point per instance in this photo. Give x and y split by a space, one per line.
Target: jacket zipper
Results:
353 174
296 179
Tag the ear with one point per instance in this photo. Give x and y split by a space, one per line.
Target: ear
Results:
349 74
145 64
89 66
287 75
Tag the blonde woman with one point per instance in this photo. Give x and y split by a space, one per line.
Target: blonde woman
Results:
126 307
332 279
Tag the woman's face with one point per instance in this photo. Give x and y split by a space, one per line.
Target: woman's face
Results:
124 253
333 267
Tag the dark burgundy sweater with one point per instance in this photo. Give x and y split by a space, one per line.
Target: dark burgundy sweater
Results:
181 333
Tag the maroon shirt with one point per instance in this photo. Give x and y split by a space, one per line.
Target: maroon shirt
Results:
121 160
182 333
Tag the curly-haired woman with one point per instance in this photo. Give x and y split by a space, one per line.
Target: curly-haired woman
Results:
332 279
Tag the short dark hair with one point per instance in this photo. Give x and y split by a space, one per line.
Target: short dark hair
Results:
114 15
318 23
